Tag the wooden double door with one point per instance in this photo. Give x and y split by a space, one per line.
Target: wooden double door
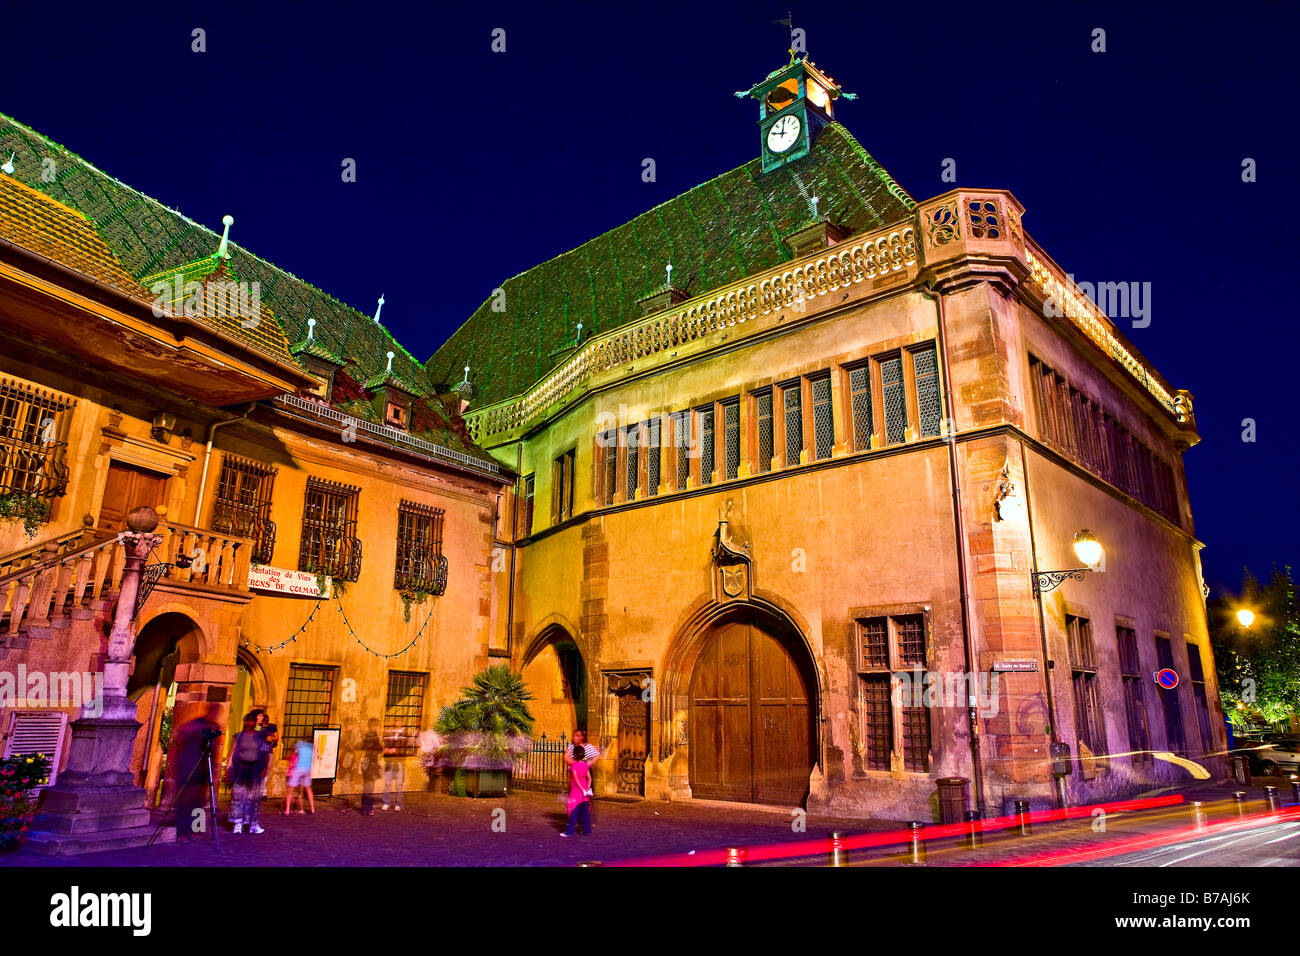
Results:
127 488
751 717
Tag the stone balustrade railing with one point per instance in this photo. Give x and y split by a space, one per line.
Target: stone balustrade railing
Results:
853 261
949 227
63 585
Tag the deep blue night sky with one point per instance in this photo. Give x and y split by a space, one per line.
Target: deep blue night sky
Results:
473 166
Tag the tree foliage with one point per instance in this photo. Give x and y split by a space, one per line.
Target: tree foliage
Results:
1259 667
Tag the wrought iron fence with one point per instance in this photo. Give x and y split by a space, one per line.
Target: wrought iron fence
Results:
542 768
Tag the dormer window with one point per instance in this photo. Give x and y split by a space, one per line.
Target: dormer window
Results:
395 414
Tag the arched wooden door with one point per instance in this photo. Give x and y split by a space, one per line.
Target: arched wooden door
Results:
751 717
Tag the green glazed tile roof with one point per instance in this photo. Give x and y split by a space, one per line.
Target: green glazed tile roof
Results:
719 232
149 238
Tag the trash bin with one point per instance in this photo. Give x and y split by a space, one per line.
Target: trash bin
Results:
1240 769
952 799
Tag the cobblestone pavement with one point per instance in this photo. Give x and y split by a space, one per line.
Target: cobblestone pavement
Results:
438 830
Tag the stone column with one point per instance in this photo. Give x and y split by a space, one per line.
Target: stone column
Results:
96 804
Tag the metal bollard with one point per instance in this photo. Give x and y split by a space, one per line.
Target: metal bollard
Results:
589 863
1240 797
736 856
839 856
1295 789
1022 818
917 844
974 831
1198 814
1271 798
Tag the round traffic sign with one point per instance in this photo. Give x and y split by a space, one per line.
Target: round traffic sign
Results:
1167 679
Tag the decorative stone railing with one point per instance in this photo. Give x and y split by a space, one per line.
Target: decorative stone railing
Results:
1093 322
63 584
950 228
880 254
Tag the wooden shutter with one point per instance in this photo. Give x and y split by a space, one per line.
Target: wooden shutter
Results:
38 732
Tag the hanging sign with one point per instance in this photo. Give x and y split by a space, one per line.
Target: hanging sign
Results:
263 577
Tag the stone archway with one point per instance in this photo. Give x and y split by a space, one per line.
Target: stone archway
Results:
166 641
740 705
555 671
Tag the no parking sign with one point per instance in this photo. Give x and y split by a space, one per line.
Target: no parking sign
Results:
1167 678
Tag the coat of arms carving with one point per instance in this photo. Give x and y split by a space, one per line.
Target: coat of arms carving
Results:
732 560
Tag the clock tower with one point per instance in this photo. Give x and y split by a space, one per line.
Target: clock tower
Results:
794 103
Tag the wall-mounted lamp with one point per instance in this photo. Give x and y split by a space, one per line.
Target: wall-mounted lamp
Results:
163 424
1089 552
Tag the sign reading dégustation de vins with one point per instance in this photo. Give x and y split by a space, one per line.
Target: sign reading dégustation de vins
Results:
263 577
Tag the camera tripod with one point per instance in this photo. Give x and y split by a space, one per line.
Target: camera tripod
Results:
205 760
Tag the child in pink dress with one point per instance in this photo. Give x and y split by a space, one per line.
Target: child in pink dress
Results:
580 794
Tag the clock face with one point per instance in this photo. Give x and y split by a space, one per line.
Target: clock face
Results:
783 133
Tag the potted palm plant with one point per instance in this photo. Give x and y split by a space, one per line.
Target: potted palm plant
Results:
485 731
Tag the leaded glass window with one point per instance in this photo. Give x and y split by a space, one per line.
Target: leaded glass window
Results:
891 673
891 387
609 455
706 446
792 399
652 458
731 438
630 461
823 423
925 366
763 415
682 444
860 393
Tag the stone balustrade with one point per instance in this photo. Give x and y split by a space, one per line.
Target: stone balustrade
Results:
946 230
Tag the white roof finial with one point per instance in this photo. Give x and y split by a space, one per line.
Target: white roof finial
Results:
379 308
9 166
390 361
579 331
815 201
670 274
311 329
223 250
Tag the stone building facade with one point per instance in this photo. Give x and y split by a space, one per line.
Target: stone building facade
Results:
764 489
818 463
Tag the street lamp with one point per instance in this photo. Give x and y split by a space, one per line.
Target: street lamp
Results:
1090 554
1245 617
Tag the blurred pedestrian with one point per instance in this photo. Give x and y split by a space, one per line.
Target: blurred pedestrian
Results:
191 772
394 772
371 747
298 779
247 768
580 794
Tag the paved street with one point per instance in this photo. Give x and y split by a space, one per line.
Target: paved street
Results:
437 830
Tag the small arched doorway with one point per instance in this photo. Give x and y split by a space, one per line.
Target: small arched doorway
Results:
751 713
556 675
164 642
